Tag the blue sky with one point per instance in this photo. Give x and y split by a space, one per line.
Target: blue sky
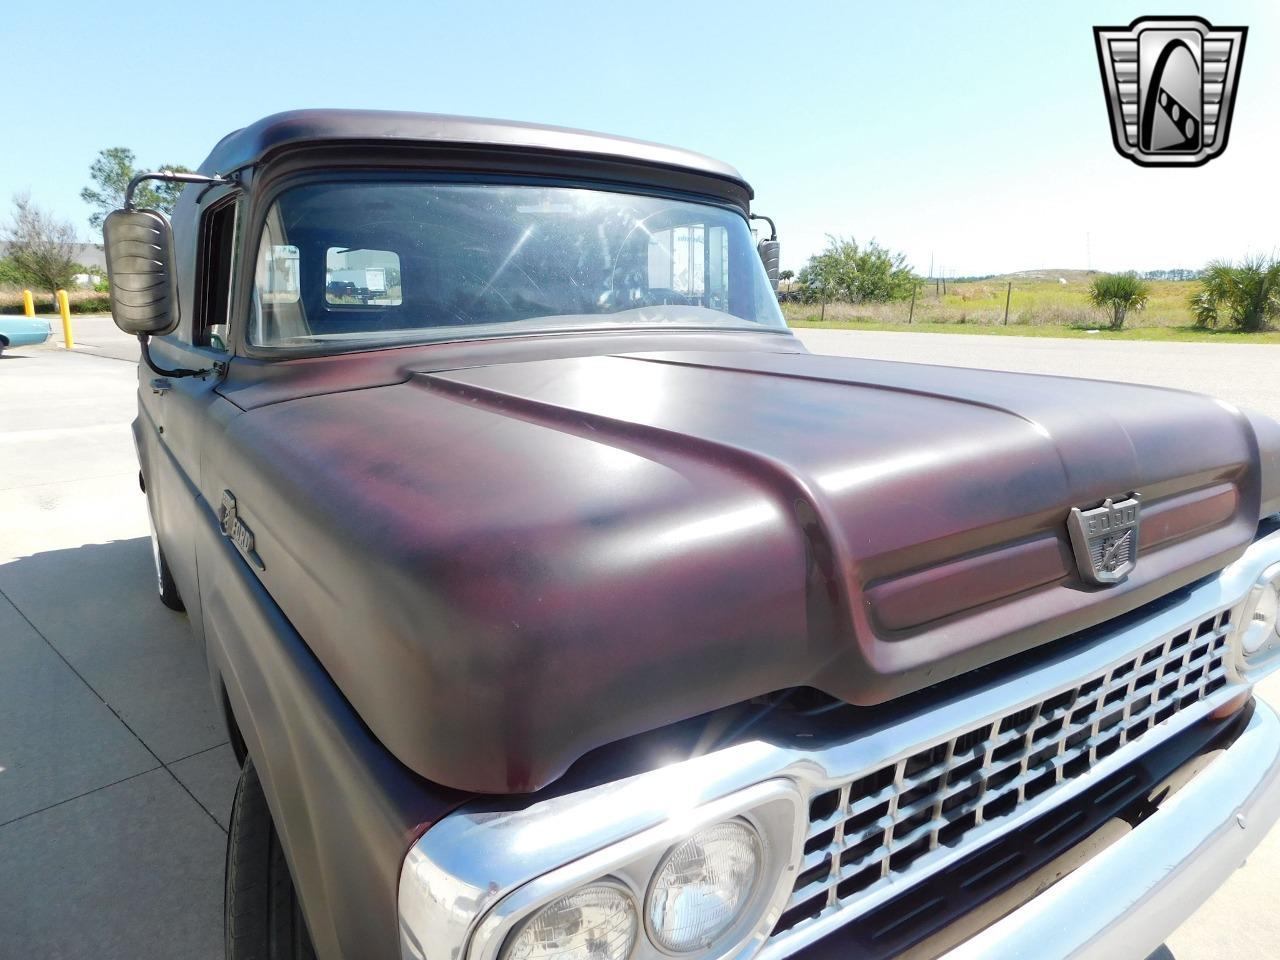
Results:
972 132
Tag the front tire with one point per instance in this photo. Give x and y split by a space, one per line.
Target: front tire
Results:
262 917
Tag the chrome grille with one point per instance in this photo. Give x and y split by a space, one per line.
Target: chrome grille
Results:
876 833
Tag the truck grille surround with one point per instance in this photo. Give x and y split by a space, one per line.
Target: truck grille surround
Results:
873 835
885 827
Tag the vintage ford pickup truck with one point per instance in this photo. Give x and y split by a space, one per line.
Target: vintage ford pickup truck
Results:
560 604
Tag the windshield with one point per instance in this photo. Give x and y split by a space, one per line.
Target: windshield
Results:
341 265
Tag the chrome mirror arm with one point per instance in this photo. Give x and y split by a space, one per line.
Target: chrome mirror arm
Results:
169 176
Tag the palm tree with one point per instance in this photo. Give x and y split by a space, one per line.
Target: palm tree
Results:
1248 294
1204 308
1119 293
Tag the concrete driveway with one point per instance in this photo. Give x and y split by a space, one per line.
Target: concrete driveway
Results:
115 781
1245 374
115 784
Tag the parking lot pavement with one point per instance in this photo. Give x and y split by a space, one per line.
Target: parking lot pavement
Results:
115 784
1246 374
95 334
115 781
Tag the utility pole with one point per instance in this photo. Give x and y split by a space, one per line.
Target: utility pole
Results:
912 312
1008 295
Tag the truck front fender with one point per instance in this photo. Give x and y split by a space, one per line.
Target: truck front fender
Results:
345 809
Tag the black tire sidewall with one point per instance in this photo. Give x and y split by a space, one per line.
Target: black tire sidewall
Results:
262 919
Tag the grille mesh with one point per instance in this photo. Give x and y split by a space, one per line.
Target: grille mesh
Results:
884 826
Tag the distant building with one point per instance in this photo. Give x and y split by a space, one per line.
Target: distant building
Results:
89 254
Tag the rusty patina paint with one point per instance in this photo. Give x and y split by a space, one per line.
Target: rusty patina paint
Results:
507 554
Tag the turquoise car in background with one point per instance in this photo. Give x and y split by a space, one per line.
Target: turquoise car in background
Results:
22 331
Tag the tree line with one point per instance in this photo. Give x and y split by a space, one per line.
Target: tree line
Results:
41 247
1242 295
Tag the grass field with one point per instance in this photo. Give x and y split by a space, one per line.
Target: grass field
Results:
81 300
1041 305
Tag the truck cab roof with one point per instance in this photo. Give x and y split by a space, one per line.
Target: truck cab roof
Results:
259 141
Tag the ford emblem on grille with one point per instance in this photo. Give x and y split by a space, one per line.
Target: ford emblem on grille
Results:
1105 539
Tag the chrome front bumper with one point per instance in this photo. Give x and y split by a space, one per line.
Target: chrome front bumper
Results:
1125 901
471 876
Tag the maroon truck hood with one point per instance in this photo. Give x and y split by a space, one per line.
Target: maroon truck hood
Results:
504 566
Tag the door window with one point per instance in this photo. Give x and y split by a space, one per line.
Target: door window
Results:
217 243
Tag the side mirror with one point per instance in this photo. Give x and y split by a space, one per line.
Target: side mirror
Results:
139 248
770 251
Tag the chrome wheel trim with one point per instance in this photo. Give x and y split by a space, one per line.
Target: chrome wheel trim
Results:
155 554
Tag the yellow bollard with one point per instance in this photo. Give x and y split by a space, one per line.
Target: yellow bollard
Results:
64 307
28 305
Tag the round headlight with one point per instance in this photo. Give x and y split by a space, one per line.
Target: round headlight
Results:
703 885
597 922
1261 625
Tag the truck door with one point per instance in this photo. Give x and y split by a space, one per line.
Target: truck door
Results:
180 406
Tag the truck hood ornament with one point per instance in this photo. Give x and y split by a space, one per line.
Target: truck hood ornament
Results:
1105 539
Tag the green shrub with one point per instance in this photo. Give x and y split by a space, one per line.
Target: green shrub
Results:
1247 296
10 275
96 303
1119 293
847 272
